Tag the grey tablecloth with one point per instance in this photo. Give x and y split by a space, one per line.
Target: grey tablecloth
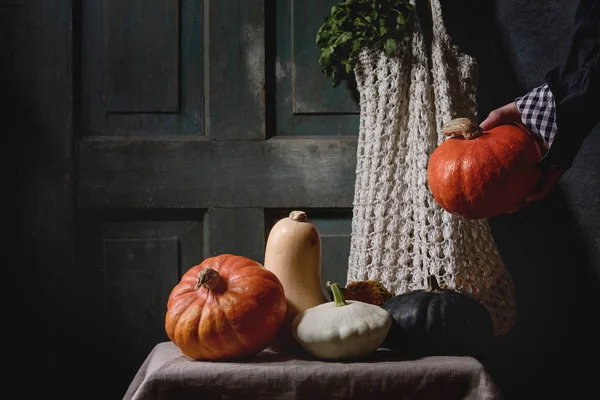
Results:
168 374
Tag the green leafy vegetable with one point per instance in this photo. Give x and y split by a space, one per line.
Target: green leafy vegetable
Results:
354 24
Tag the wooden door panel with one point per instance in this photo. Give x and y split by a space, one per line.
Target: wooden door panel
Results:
142 57
313 92
128 263
142 68
307 104
335 227
235 89
139 274
239 231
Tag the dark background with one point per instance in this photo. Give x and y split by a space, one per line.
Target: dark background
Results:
551 248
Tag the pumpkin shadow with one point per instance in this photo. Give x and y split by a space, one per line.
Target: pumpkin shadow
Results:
270 356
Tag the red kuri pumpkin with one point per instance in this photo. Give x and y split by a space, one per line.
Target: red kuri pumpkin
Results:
226 307
477 174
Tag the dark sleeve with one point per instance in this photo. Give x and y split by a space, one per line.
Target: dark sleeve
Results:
576 88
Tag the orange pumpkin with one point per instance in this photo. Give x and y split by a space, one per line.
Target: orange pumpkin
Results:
226 307
478 174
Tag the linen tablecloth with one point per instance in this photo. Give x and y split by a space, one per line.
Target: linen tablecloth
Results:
168 374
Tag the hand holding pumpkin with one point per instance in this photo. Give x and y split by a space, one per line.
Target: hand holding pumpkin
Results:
547 181
507 114
501 116
478 173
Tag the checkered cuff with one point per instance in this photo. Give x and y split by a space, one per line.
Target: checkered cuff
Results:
538 112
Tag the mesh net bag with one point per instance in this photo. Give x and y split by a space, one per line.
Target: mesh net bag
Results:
400 235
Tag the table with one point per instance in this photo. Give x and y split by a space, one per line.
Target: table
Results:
168 374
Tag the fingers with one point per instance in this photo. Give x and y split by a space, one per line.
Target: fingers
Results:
502 115
547 181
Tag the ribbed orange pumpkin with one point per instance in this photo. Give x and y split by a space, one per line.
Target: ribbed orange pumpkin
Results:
478 174
226 307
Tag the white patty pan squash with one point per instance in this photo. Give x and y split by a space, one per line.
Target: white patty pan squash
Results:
342 329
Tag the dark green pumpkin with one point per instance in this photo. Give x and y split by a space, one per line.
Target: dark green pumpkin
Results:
436 321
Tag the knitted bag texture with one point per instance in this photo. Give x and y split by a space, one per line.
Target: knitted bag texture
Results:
400 235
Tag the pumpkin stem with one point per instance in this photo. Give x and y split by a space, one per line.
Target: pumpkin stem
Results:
462 127
432 284
338 297
299 216
208 278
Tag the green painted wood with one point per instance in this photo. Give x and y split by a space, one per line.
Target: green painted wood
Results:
236 78
132 173
139 275
142 56
335 227
324 125
312 90
238 231
142 68
128 261
306 102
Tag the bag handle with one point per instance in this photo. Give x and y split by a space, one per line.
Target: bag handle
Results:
440 32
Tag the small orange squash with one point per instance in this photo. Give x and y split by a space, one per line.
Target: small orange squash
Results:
367 291
478 174
227 307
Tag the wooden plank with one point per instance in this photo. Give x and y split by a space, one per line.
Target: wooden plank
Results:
236 63
306 102
139 275
142 53
164 95
130 173
239 231
126 261
335 229
185 225
193 28
312 90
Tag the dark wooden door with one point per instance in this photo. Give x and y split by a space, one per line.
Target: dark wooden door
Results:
141 137
201 124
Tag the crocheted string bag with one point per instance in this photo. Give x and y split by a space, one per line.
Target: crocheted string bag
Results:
400 235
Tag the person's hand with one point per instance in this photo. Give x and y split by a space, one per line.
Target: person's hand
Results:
547 181
503 115
509 113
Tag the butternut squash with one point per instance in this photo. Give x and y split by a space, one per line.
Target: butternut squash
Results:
293 254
